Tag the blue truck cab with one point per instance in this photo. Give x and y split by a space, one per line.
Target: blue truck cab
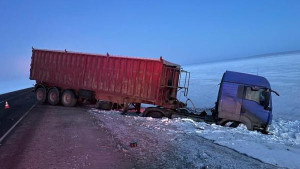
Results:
244 98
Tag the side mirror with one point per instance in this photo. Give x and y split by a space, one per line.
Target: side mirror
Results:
275 92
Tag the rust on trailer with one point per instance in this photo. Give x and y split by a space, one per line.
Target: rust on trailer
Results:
116 79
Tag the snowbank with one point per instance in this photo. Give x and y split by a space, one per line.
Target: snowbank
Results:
282 148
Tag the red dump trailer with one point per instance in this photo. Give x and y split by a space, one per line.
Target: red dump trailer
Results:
69 77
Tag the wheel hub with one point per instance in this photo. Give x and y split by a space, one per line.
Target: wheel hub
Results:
39 95
53 96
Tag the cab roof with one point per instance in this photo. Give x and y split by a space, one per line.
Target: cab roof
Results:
247 79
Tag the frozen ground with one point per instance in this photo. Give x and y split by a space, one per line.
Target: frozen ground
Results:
282 148
181 141
165 143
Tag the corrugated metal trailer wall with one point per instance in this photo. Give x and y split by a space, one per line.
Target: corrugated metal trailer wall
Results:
116 79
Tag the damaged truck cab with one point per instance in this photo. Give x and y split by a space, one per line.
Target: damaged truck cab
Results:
244 98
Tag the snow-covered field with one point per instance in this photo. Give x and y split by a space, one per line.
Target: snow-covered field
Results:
283 72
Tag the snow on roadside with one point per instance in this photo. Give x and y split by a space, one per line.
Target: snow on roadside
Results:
282 148
153 149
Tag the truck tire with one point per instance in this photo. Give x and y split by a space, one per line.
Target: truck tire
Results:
41 95
153 112
53 96
234 124
248 123
68 98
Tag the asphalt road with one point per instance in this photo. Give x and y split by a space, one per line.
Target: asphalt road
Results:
20 102
62 137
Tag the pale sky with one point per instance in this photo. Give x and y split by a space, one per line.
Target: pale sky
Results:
183 32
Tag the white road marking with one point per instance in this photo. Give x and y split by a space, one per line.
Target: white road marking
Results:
3 137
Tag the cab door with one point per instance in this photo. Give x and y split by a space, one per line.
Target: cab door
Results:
229 104
254 107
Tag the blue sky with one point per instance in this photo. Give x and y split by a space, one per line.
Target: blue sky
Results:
184 32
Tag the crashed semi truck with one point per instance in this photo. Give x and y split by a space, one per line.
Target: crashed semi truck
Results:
117 82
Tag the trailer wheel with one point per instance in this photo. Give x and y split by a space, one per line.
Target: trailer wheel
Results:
41 95
68 98
153 112
53 96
